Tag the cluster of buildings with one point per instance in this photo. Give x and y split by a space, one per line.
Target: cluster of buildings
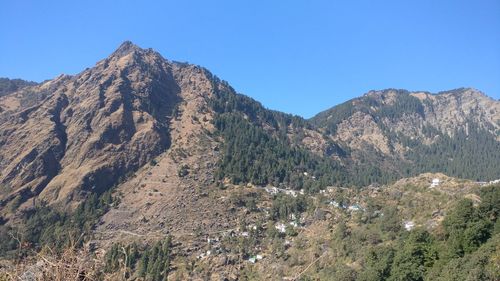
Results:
482 183
274 190
353 208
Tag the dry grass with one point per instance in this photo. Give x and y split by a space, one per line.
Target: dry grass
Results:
72 264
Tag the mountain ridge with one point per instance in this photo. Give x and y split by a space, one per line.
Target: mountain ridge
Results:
401 120
162 169
130 99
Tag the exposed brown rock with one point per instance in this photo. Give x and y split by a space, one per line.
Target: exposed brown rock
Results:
90 130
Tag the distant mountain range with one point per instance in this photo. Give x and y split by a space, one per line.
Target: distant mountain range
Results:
456 132
72 135
141 168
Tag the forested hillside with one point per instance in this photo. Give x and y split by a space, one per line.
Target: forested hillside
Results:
141 168
455 132
8 86
257 149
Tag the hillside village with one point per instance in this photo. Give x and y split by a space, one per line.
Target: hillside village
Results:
324 215
141 168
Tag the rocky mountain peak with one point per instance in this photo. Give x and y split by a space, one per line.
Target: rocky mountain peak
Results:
467 94
128 55
184 155
81 134
98 125
389 91
125 48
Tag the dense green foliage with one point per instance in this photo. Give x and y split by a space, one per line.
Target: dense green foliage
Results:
378 261
45 226
404 104
258 147
474 155
253 154
416 255
331 118
285 206
467 248
149 262
227 101
8 86
365 171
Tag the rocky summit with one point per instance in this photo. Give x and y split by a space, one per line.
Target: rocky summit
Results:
164 171
456 132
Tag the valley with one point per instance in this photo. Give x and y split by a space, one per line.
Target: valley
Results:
142 168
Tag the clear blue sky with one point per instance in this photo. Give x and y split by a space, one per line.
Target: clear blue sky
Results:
295 56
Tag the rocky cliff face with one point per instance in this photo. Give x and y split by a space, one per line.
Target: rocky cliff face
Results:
72 135
133 121
82 133
395 124
188 157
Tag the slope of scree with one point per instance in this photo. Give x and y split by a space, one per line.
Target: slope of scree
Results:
171 194
182 191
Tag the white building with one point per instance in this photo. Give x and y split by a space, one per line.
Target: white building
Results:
272 190
409 225
334 203
280 227
291 192
435 182
355 208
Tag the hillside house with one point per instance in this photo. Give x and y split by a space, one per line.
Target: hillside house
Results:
280 227
435 182
409 225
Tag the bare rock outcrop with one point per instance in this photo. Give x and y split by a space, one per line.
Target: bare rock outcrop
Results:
87 130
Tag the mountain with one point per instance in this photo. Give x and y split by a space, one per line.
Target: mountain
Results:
455 132
8 86
76 135
140 151
81 133
86 133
